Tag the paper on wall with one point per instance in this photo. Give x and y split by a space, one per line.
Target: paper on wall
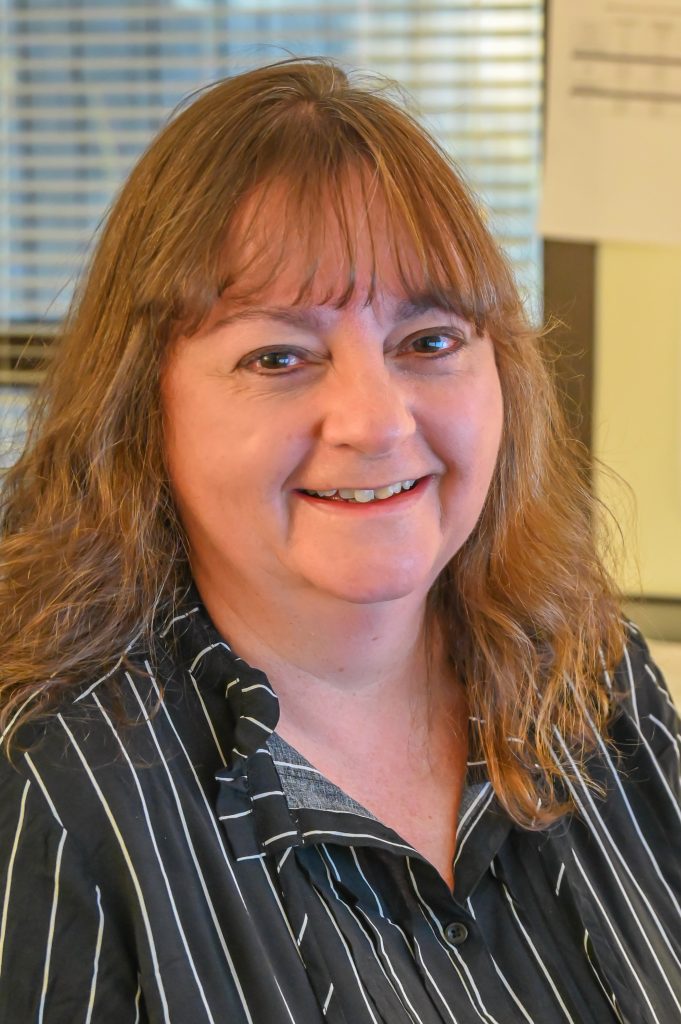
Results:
613 141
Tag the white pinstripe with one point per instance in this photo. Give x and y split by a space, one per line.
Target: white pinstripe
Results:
630 814
284 917
366 881
615 936
98 950
401 995
206 650
17 715
209 721
178 618
138 996
471 829
594 832
663 778
129 864
161 865
608 995
283 858
50 932
107 675
662 690
632 687
432 981
260 725
502 976
204 799
283 999
544 969
280 835
300 767
258 686
351 961
324 848
192 851
514 997
354 835
387 959
673 740
10 869
43 788
486 789
430 917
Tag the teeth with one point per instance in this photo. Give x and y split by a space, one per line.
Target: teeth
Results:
362 495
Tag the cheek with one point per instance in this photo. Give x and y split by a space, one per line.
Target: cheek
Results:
221 456
474 430
492 421
196 457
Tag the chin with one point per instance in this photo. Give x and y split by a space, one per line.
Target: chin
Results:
376 587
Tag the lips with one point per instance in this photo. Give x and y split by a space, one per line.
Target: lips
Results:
363 495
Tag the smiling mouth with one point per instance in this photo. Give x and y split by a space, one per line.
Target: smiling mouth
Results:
364 495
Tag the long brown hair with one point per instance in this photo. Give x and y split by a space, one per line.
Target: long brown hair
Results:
93 551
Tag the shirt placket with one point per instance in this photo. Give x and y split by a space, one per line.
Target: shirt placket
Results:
440 930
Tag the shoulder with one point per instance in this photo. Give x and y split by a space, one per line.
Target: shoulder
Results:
119 746
645 730
641 694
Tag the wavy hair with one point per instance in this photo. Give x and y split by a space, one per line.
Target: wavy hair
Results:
92 550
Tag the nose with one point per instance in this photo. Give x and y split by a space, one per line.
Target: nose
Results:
367 406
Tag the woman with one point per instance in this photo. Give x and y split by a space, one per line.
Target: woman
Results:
317 702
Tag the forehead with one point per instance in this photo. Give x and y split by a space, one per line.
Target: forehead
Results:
343 246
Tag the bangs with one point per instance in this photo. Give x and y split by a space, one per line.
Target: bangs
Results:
324 189
361 225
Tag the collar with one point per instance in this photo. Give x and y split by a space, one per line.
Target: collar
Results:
482 825
270 798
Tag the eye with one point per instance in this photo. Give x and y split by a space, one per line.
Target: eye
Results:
273 361
435 343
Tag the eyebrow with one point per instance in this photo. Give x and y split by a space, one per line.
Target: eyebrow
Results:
310 318
296 316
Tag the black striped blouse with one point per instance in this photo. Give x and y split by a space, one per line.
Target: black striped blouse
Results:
195 868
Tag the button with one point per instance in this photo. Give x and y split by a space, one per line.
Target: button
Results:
456 933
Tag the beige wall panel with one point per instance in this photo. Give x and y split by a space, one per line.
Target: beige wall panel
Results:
637 407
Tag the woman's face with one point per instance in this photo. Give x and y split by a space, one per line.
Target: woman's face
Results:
269 406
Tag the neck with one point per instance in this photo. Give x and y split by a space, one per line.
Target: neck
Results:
350 656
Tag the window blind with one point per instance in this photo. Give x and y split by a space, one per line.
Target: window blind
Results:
84 86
